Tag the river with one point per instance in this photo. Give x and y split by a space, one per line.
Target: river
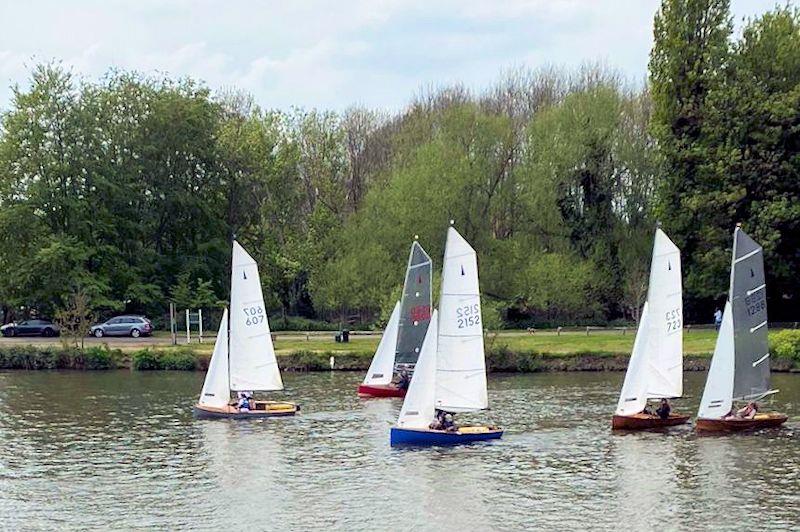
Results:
120 450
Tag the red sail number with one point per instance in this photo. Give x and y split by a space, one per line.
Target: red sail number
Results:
421 313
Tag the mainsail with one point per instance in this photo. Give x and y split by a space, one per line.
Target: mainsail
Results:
415 306
461 366
418 407
740 367
216 392
382 366
252 356
749 302
656 366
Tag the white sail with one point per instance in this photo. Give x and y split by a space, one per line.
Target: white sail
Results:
718 394
252 356
664 373
633 397
382 366
216 391
461 365
418 410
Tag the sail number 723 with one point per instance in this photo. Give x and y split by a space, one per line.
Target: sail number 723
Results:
254 315
468 315
673 318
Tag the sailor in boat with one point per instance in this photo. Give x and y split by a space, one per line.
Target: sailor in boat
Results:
749 411
244 402
403 380
664 410
647 410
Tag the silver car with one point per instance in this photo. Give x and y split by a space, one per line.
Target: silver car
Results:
134 326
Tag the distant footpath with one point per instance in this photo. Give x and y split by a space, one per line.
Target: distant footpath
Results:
507 351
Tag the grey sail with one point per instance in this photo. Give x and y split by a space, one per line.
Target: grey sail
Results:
749 302
415 306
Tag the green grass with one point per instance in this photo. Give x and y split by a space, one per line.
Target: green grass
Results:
600 342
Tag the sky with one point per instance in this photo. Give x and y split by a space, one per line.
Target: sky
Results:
329 54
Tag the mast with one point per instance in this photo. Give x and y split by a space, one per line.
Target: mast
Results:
228 321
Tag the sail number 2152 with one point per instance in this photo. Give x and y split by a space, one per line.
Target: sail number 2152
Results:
468 315
673 320
254 315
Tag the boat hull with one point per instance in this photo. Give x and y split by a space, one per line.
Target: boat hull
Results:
424 437
263 409
761 421
646 421
380 390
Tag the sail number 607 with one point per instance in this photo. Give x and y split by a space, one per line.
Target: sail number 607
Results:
254 315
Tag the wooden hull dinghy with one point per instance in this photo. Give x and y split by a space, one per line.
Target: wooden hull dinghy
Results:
643 421
740 366
450 373
760 421
442 437
261 409
380 390
401 342
655 369
243 361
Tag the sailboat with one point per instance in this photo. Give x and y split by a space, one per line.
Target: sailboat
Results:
740 366
401 342
450 374
244 357
655 369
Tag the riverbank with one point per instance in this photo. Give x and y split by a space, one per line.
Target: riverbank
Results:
506 353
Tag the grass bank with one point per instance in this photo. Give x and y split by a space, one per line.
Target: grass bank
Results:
506 352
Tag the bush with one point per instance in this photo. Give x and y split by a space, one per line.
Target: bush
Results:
145 360
182 359
296 323
786 344
31 357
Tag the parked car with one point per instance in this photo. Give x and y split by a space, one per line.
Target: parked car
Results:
134 326
30 328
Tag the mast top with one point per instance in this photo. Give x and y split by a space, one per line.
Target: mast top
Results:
452 222
416 237
738 225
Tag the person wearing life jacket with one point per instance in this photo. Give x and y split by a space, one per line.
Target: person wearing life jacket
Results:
244 402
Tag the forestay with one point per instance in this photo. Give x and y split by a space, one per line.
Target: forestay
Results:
418 410
415 306
252 356
216 391
461 366
382 366
749 303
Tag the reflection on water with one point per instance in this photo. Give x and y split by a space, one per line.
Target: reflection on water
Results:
121 450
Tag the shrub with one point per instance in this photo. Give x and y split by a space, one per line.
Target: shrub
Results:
144 360
786 344
100 358
182 359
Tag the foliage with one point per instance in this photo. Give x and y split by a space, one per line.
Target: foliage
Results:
130 189
31 357
786 344
75 320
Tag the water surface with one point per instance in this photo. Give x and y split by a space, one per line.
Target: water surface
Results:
120 450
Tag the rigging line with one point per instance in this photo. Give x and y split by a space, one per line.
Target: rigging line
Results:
757 327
